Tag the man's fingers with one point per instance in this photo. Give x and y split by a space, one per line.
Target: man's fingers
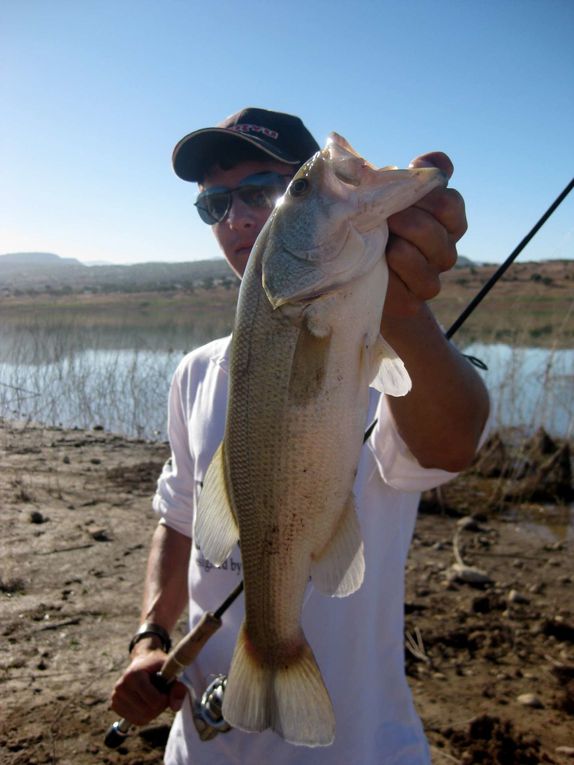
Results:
420 229
435 159
422 242
447 207
177 693
136 699
420 277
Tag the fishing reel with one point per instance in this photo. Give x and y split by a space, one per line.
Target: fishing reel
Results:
207 716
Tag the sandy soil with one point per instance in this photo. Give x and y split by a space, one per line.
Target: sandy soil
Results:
493 665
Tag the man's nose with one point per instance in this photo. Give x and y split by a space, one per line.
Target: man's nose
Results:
240 214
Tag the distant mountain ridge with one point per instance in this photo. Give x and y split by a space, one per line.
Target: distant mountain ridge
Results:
36 259
46 272
35 272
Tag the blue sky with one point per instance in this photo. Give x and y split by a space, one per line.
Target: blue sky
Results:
95 94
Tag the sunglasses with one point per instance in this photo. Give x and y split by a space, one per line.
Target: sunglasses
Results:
260 191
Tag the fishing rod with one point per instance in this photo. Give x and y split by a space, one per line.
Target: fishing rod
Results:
177 660
191 644
507 263
492 281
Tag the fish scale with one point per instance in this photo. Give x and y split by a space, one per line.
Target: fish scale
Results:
305 347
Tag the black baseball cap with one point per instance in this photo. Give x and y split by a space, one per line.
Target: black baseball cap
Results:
279 135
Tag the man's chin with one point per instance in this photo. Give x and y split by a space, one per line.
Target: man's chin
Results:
238 261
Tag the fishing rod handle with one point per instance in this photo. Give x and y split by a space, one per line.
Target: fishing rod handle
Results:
179 657
189 646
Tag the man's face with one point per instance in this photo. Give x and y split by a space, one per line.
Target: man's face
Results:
237 232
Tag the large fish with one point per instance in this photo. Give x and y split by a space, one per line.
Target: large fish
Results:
306 346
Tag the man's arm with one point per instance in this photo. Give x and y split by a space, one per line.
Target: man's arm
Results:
442 417
165 597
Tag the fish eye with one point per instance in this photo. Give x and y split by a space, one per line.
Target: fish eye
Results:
299 187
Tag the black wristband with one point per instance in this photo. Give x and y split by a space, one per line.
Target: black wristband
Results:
147 629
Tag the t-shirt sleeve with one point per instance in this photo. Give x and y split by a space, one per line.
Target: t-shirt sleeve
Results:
174 500
398 467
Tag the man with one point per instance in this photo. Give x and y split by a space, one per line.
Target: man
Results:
419 441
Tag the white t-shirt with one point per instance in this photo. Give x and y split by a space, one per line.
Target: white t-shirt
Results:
358 641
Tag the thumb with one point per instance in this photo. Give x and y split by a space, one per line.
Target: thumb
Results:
434 159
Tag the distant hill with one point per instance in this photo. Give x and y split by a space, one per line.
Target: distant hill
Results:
25 272
44 272
23 259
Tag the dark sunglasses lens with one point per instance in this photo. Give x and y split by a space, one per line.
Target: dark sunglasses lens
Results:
263 190
260 191
260 197
213 207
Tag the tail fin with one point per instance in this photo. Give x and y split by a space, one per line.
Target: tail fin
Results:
292 700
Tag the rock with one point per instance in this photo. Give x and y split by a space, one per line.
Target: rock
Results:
468 523
481 604
567 751
469 574
35 516
516 597
99 533
530 700
559 629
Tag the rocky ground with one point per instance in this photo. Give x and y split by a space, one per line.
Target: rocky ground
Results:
490 601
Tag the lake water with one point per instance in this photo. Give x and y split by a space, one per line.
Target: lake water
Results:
529 387
119 379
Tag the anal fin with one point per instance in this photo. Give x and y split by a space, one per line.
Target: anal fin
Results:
339 568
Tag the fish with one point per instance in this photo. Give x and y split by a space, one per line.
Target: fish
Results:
306 346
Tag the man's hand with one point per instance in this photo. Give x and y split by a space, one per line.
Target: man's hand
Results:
135 697
422 243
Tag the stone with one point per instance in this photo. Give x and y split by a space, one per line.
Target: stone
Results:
530 700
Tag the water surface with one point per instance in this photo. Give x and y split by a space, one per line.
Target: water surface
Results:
119 378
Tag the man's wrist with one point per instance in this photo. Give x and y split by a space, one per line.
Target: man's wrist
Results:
155 636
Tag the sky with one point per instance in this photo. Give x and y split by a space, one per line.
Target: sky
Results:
94 94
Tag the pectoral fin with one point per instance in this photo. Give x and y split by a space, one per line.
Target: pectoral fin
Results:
339 568
216 530
310 359
389 374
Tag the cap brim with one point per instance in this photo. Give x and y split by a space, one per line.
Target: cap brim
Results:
196 152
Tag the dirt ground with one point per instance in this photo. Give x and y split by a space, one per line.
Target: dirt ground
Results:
491 662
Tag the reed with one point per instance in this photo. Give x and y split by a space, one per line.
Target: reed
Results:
83 378
60 369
